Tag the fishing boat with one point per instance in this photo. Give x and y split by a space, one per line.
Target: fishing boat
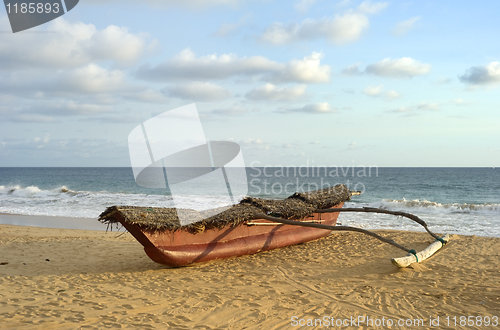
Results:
236 231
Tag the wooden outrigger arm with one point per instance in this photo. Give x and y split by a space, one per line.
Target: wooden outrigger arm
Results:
412 256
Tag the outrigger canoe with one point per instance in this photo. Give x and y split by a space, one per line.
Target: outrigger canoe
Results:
234 232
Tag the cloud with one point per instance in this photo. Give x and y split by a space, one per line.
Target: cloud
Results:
46 111
341 29
186 66
377 91
372 7
193 4
91 79
66 152
252 141
70 108
198 91
460 102
303 5
428 106
373 90
391 95
147 96
232 111
230 28
482 75
403 27
44 140
444 80
30 118
411 110
270 92
307 70
405 67
314 108
71 45
352 70
91 82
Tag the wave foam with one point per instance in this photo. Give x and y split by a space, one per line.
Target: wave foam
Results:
426 206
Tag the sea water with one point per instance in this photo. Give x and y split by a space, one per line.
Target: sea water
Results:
452 200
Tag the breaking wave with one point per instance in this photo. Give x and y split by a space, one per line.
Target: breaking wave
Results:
65 202
426 207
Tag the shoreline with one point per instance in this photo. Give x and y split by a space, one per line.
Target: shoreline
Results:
56 222
80 223
67 278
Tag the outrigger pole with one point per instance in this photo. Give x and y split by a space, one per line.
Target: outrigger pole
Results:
412 256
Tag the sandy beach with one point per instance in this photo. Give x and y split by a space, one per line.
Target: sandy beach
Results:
82 279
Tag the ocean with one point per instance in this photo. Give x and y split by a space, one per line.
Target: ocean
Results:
451 200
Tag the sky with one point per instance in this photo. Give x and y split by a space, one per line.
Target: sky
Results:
304 82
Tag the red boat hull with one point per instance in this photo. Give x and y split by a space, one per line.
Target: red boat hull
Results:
181 248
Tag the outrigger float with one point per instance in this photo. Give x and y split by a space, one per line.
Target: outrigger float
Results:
254 225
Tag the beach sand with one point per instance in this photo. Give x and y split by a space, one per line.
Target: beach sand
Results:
78 279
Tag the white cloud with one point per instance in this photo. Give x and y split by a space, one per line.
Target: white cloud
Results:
102 85
307 70
373 90
402 28
372 7
352 70
45 111
391 95
187 66
341 29
314 108
428 106
68 108
198 91
230 28
270 92
444 80
252 141
72 45
194 4
232 111
92 79
460 102
147 95
412 110
256 144
45 139
303 5
405 67
377 91
482 75
29 118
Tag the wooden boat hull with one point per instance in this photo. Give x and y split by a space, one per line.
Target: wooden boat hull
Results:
181 248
